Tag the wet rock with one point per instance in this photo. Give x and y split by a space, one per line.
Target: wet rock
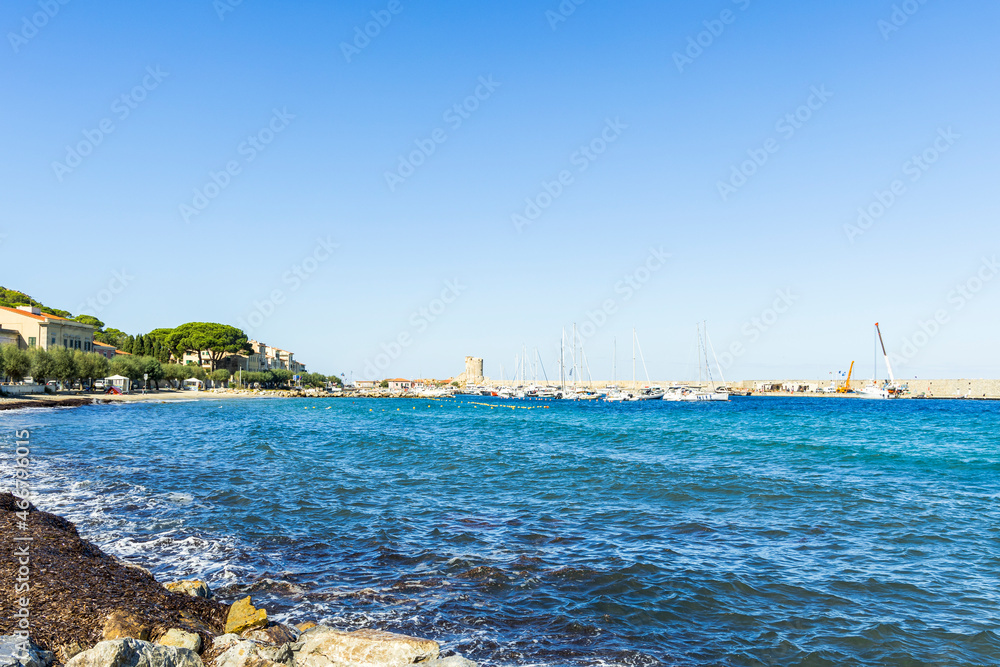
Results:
180 639
308 625
244 616
274 633
122 625
15 652
135 653
193 587
323 646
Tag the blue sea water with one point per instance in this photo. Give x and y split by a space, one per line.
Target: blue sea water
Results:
759 532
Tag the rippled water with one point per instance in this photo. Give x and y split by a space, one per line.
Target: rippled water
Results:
759 532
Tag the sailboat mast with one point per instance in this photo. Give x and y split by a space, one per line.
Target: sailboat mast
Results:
562 360
633 357
888 367
576 371
875 358
704 340
614 361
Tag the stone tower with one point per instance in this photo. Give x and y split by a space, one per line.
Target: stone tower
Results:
473 370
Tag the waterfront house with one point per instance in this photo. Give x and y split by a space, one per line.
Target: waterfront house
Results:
105 350
9 337
37 329
399 385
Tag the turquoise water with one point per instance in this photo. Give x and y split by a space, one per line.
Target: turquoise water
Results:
758 532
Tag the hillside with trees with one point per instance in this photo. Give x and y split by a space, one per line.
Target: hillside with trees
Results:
155 355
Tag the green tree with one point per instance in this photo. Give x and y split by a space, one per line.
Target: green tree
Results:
220 376
42 367
150 366
281 376
12 299
217 340
16 362
128 366
127 344
91 366
64 365
89 319
384 384
175 373
313 380
113 337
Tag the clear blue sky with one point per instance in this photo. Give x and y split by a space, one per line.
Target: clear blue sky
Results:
678 127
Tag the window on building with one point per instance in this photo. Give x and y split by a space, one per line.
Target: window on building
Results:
31 341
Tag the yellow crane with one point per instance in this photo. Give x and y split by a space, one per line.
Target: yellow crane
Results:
847 384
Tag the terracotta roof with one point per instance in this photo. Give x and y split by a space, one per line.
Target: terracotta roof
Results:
397 380
43 316
25 313
97 342
127 354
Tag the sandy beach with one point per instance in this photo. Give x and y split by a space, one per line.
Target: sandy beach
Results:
68 400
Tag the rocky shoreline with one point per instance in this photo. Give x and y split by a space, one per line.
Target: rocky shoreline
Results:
45 401
66 602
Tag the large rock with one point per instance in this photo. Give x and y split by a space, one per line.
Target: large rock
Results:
66 651
193 587
122 625
14 652
450 661
323 646
180 639
231 651
244 616
135 653
274 633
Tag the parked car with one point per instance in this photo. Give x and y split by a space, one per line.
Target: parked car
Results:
98 385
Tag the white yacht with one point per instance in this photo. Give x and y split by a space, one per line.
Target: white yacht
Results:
702 394
889 388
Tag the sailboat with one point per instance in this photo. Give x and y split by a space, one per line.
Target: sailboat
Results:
648 393
709 393
888 389
613 393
